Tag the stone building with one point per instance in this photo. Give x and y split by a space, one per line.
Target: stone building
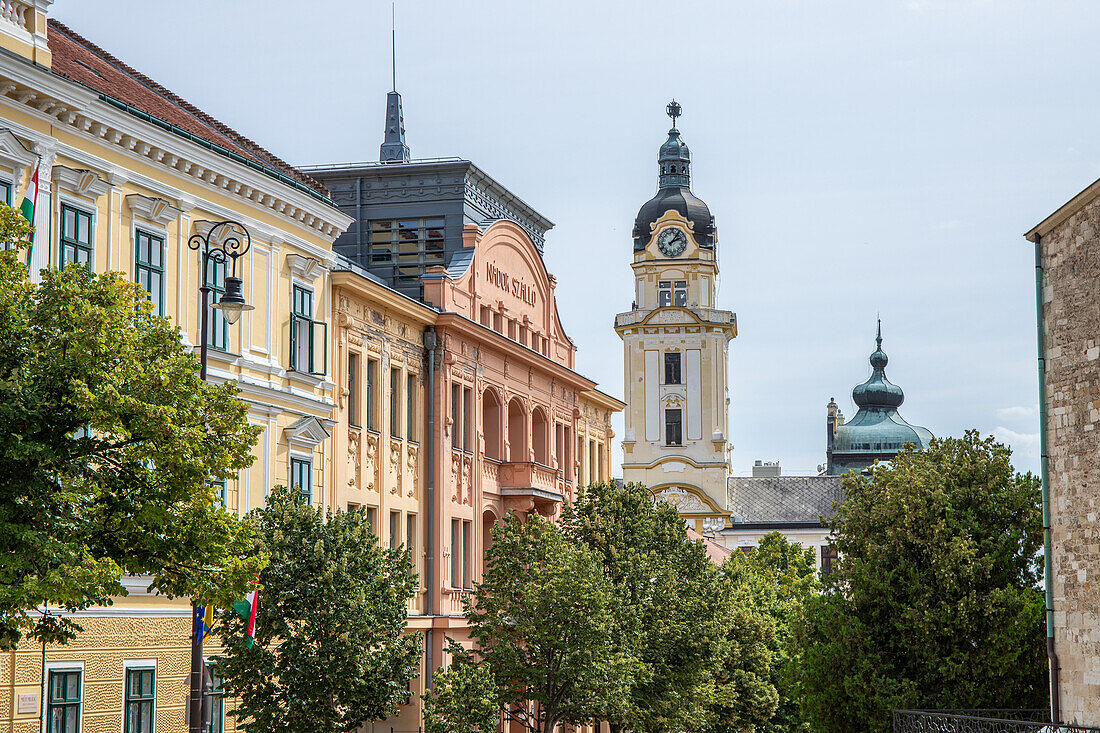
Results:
1067 261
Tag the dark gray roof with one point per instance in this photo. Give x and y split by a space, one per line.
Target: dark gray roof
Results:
773 499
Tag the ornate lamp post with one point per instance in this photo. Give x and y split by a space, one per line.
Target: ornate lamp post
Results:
225 241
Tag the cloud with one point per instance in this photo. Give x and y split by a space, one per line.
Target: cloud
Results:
1022 444
1017 413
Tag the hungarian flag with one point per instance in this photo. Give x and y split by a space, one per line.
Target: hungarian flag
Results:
30 198
247 611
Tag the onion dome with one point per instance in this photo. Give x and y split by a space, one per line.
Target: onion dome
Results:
674 191
878 391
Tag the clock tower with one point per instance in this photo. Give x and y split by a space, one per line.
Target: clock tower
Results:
676 349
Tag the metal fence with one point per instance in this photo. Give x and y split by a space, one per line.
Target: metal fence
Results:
981 721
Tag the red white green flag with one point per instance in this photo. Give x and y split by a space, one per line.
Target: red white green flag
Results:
247 610
30 198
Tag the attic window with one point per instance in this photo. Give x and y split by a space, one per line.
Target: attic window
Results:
89 68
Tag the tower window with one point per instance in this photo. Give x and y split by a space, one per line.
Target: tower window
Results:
673 430
672 369
664 293
680 293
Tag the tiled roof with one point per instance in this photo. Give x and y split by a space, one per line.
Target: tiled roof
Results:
79 60
783 498
716 552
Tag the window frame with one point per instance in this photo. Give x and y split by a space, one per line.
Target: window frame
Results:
680 293
410 407
395 529
140 667
678 423
217 333
217 698
61 669
355 418
299 316
673 362
78 246
664 293
7 186
297 468
395 402
149 267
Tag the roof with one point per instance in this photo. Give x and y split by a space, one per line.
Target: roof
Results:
1065 211
716 553
770 499
79 60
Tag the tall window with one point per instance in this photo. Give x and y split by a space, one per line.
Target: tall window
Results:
371 514
308 337
395 530
63 702
828 559
456 417
217 333
395 402
680 293
467 415
301 478
672 369
466 554
76 236
217 700
664 293
410 538
353 389
149 267
410 406
408 246
219 492
456 553
372 394
673 431
141 695
5 192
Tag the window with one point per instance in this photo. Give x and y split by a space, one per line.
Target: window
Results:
76 236
372 394
149 267
828 559
672 369
673 434
467 413
497 320
63 702
353 389
512 328
465 554
410 406
407 246
664 293
486 317
141 696
217 333
410 538
219 492
370 521
5 192
395 530
455 417
680 293
395 403
456 541
217 700
301 478
599 457
308 338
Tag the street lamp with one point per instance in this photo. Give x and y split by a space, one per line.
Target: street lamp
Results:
224 241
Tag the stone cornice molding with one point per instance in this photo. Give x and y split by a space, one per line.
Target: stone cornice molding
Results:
84 113
80 182
14 156
307 432
155 210
306 268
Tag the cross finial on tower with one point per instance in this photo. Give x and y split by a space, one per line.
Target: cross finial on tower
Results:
878 336
673 110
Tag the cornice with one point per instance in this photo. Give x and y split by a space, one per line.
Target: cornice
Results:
81 182
59 101
156 210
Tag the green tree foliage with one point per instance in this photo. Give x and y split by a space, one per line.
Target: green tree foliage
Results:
676 612
464 697
934 601
545 627
330 651
779 578
108 443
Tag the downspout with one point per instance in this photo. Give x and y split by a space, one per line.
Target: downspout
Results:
1048 582
429 513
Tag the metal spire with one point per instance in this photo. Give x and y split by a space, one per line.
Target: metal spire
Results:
393 44
394 149
673 109
878 337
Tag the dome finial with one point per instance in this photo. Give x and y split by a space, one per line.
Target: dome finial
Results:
673 109
878 338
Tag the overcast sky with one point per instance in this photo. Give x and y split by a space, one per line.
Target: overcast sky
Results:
861 158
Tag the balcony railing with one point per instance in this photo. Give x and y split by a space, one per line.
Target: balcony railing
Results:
981 721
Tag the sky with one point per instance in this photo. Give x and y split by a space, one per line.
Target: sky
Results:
865 159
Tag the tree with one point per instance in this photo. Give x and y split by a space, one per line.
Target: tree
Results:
934 602
673 606
463 698
330 652
108 443
544 625
778 579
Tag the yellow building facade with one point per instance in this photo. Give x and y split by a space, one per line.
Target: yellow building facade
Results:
128 173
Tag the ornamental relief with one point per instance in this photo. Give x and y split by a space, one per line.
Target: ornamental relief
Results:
467 470
456 462
354 462
395 466
370 467
412 462
684 502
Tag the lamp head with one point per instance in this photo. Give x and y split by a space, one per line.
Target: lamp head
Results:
232 302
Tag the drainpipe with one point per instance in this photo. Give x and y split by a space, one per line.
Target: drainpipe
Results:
1048 582
429 518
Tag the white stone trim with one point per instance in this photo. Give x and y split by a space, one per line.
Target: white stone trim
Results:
128 664
157 212
15 160
80 182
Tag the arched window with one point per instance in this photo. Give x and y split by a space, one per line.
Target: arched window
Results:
517 431
490 424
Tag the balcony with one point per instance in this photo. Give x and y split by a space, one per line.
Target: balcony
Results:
528 486
982 721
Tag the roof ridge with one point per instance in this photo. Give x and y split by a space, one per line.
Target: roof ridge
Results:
168 94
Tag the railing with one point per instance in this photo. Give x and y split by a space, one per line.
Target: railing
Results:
452 601
707 315
524 474
981 721
14 12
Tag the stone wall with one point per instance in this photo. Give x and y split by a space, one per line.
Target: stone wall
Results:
1071 326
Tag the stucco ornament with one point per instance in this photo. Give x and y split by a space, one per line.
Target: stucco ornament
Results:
713 524
682 500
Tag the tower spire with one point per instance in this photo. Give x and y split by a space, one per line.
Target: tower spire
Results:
878 337
394 149
674 159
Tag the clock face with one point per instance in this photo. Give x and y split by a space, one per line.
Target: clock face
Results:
671 241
